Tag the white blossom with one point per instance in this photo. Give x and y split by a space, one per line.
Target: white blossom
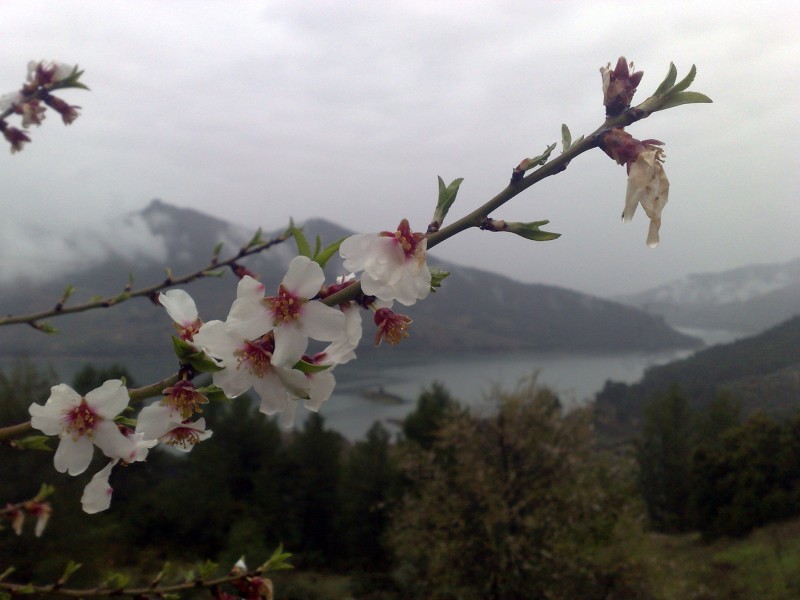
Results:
82 423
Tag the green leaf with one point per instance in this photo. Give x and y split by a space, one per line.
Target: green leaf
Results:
213 393
566 137
45 327
217 249
255 240
216 273
684 98
117 581
7 572
277 561
437 276
33 442
529 163
322 258
310 368
71 567
685 82
531 231
303 247
44 491
317 245
669 80
206 569
68 291
447 195
128 421
187 353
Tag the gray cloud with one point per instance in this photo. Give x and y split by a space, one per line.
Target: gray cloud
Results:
259 111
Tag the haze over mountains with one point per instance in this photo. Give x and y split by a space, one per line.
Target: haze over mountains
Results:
475 310
749 299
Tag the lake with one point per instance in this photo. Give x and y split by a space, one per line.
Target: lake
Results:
468 378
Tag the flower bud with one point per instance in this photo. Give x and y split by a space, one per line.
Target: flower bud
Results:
619 86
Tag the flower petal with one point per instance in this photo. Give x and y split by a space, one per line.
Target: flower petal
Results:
109 399
180 306
97 494
304 277
73 455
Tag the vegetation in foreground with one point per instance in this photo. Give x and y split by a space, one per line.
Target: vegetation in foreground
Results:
514 501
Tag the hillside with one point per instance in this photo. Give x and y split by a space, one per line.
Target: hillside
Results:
761 372
474 311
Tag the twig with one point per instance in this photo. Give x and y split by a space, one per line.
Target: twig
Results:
59 309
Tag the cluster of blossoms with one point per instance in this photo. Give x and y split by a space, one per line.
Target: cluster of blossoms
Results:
263 344
35 95
648 185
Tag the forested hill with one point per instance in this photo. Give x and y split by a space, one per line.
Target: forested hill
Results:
474 311
761 372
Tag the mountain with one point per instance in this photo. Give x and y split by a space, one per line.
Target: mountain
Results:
474 311
761 372
747 299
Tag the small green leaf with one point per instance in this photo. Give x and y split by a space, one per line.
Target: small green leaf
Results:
529 163
322 258
129 422
669 80
44 491
685 82
447 196
303 247
566 137
213 393
26 589
437 276
68 291
531 231
310 368
45 327
71 567
117 581
317 245
206 569
7 572
684 98
255 240
217 249
216 273
187 353
277 562
33 442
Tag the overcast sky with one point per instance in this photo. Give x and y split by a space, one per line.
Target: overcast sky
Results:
258 111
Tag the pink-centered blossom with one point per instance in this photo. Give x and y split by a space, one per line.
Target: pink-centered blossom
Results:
247 363
164 423
291 315
82 423
393 264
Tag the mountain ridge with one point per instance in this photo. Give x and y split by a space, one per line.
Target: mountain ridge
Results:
747 299
474 311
